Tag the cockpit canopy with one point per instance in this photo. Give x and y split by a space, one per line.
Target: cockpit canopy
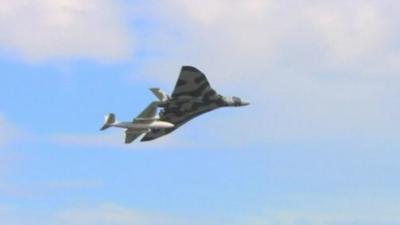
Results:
234 101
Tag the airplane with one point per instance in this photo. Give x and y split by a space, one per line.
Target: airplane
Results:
142 124
191 97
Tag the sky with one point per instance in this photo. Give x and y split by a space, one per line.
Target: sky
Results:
317 146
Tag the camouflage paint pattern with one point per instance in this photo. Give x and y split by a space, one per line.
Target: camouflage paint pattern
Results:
191 97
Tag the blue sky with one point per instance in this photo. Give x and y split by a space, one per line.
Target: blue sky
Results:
318 145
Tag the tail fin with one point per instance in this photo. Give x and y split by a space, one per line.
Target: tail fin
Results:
160 94
108 121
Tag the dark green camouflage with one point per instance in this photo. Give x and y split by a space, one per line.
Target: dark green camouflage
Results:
191 97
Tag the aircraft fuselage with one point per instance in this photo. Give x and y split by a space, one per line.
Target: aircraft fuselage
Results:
143 126
188 101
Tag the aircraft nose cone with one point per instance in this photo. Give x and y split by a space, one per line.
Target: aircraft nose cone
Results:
245 103
170 125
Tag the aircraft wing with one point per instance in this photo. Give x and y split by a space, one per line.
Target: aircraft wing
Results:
131 135
192 82
149 112
178 117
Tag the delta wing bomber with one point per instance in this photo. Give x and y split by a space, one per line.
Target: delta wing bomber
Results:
191 97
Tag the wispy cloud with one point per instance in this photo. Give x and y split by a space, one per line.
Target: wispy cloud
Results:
112 214
255 33
115 214
8 132
293 217
340 209
103 214
349 31
72 184
253 36
64 29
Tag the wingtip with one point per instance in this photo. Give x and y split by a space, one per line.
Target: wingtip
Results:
190 68
144 139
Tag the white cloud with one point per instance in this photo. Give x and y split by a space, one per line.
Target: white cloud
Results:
349 30
343 212
10 158
72 184
103 214
256 34
108 214
215 34
46 29
8 132
293 217
338 209
9 135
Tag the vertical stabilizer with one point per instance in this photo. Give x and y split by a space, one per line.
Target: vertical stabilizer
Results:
109 120
159 94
